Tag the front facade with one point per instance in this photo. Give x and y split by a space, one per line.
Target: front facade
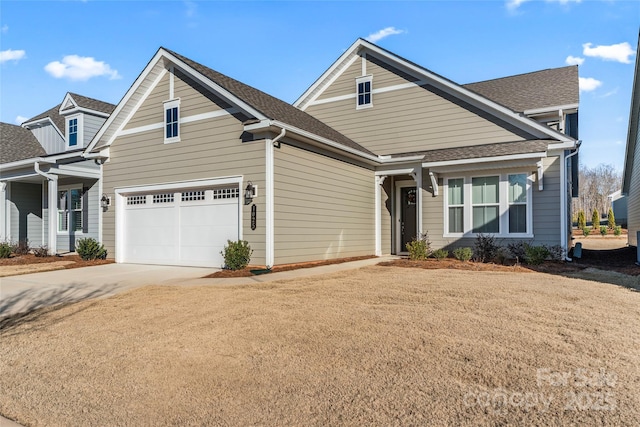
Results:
50 194
376 152
631 174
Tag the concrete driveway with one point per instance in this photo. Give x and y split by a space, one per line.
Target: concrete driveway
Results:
30 291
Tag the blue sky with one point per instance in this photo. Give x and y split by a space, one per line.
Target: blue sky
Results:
98 48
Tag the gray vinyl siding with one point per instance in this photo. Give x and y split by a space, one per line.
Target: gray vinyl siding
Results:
208 149
633 206
386 207
66 241
26 213
91 125
324 208
546 211
49 138
405 120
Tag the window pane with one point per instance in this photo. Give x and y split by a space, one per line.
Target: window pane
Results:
455 219
169 115
518 219
62 200
367 86
455 191
62 221
485 190
360 88
518 188
485 219
367 98
77 220
76 199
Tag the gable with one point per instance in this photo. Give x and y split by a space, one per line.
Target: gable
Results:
408 114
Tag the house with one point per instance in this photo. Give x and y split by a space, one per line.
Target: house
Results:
375 152
50 193
631 174
618 203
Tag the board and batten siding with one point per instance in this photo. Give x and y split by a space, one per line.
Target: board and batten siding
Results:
546 210
26 213
208 149
324 207
407 119
633 206
49 138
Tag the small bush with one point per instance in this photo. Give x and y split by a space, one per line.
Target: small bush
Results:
603 230
535 255
582 220
502 255
485 247
617 230
595 219
586 231
440 254
463 254
21 248
89 249
611 219
556 252
41 251
236 254
5 250
419 248
517 249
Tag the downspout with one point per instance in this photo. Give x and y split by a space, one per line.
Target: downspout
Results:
269 198
52 210
565 202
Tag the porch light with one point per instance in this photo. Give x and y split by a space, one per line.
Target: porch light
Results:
105 201
250 192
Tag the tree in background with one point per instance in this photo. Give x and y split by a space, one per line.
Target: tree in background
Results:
582 220
595 185
611 219
595 219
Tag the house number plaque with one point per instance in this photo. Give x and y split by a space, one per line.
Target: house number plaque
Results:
254 210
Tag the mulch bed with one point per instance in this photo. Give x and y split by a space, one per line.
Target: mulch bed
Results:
32 259
246 272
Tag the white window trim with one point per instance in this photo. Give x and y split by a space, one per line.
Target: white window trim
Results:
503 209
80 144
364 79
68 189
173 103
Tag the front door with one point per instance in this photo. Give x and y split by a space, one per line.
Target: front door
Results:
407 216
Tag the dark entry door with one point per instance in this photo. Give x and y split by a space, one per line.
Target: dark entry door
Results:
407 216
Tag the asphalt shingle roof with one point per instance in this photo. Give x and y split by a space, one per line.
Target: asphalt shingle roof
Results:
93 104
271 107
18 143
479 151
52 113
539 89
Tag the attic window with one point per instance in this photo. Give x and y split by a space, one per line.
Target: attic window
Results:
172 121
73 132
364 97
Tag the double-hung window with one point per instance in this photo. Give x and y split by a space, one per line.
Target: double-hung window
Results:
485 200
73 132
172 121
517 203
364 87
70 209
455 193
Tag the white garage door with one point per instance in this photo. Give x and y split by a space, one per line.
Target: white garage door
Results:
180 227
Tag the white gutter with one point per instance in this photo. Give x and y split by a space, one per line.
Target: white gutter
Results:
36 167
538 155
570 145
270 199
564 201
547 110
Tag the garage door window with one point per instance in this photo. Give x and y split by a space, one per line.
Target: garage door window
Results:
226 193
163 198
192 196
136 200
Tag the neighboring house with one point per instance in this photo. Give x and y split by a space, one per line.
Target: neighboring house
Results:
41 166
377 151
619 205
631 174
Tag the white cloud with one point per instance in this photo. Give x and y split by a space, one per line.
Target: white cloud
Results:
192 8
610 93
385 32
4 29
587 84
616 52
12 55
574 60
82 68
512 5
21 119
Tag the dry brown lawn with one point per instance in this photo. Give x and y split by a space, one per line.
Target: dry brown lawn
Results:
375 346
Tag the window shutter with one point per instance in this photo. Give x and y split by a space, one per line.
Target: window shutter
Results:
85 209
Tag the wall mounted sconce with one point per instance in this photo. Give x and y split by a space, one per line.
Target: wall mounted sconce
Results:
105 201
250 192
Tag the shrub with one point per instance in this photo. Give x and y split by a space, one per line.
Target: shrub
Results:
5 250
603 230
611 219
236 254
440 254
420 247
586 231
617 230
21 248
41 251
582 220
595 219
535 255
501 256
485 247
556 252
463 254
517 249
89 249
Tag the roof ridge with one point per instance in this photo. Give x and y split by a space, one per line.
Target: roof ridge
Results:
518 75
